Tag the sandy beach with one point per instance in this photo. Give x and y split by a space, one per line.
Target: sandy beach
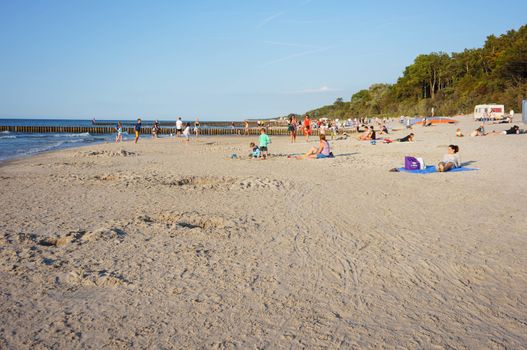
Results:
163 244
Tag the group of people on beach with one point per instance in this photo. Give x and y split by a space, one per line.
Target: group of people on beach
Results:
182 129
480 131
307 125
261 150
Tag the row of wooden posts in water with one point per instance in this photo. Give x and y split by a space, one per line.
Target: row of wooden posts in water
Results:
165 123
145 130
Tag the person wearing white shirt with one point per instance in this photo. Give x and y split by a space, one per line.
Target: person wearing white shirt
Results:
186 132
179 127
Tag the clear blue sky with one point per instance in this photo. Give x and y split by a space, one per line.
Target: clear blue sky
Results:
228 59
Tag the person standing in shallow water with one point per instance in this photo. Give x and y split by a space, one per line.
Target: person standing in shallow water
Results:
119 128
137 129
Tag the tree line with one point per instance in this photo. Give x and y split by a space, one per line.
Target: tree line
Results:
450 83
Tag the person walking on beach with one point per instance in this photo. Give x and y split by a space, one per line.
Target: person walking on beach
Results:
264 141
179 126
186 132
196 127
291 127
119 137
307 127
246 128
137 129
155 129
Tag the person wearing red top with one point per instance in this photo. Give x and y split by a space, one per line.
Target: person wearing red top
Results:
307 127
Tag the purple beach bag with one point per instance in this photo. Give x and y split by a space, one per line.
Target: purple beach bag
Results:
411 163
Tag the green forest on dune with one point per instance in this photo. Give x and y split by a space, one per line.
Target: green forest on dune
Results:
450 83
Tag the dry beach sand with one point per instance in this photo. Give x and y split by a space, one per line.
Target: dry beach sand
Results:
169 245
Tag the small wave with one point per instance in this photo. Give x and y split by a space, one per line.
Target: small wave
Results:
35 150
8 137
84 134
5 132
56 136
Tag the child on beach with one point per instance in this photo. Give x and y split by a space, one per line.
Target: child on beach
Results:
119 137
479 131
137 129
450 160
255 150
264 141
186 132
459 133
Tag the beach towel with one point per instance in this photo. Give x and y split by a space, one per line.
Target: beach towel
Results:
432 169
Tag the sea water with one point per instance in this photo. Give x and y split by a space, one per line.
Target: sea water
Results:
17 144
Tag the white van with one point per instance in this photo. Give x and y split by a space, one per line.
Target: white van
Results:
489 112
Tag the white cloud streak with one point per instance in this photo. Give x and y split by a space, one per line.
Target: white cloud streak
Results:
320 90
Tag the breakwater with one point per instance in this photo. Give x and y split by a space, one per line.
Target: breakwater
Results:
164 123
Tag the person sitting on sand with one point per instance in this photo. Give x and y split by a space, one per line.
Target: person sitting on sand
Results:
459 133
255 150
479 131
384 130
323 150
451 160
369 134
407 138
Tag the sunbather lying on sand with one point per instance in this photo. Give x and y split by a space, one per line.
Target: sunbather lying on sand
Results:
479 131
407 138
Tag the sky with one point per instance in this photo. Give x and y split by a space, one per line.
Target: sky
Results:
224 59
